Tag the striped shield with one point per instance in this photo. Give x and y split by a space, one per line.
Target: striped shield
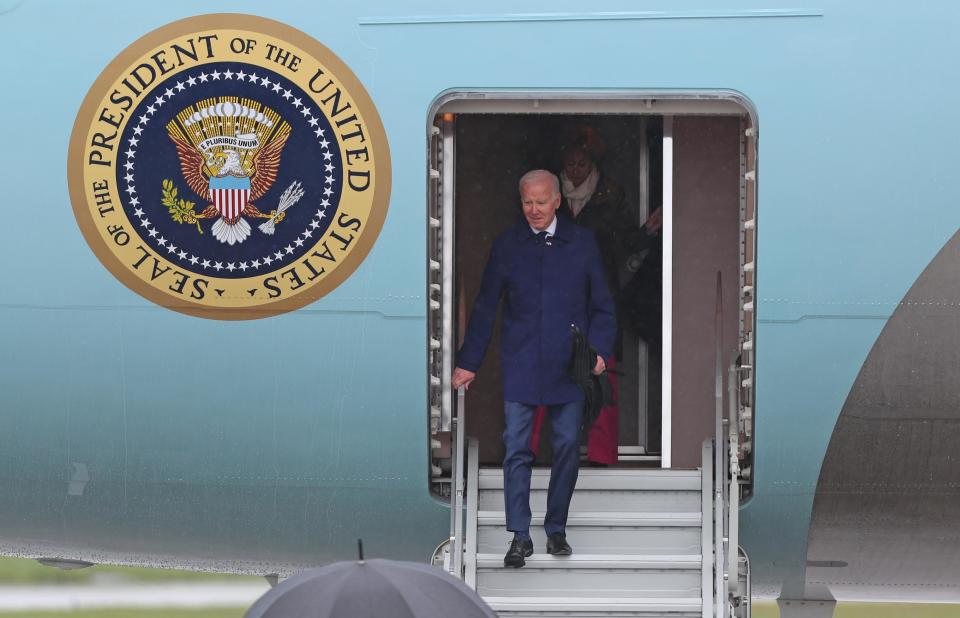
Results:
229 194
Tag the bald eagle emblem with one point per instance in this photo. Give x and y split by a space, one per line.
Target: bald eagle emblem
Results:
229 150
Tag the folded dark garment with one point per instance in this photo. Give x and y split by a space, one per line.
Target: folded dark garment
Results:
596 388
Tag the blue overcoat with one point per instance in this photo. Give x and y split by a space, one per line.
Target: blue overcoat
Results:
546 287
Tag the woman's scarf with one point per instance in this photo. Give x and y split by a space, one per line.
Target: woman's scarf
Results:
577 197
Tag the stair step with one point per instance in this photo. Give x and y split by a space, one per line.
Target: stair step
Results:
597 561
587 613
581 518
651 541
590 471
636 537
604 500
597 584
577 606
606 478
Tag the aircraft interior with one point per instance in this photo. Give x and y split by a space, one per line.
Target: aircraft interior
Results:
493 152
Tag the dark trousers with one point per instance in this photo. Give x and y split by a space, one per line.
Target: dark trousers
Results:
565 425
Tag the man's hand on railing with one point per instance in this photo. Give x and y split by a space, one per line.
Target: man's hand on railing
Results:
462 377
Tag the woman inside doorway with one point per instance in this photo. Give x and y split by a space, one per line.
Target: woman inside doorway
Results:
596 202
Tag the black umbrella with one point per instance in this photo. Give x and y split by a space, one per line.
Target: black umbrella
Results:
372 588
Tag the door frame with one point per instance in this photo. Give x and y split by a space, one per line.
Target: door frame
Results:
652 102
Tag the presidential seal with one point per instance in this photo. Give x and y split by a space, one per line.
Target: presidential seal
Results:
229 167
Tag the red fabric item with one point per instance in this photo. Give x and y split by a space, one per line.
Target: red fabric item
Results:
537 425
604 433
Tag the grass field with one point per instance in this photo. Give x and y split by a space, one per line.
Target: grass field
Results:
27 571
23 571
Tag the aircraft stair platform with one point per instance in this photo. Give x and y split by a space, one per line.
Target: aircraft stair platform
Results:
646 542
637 540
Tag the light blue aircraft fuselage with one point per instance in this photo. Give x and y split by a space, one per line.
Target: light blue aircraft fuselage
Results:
131 433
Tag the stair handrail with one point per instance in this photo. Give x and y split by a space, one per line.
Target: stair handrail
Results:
719 469
458 428
726 468
733 479
472 506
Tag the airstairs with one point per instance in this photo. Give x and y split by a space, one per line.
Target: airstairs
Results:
646 542
637 539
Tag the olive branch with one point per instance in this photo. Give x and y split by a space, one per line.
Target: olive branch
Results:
180 209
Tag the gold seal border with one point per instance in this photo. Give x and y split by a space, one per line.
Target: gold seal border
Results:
214 22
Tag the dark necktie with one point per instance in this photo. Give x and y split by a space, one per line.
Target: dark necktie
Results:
543 237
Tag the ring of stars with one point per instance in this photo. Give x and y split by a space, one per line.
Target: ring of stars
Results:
270 257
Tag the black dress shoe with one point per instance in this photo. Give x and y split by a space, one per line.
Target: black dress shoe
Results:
557 545
517 552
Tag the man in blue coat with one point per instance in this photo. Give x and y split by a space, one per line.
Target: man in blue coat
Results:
549 272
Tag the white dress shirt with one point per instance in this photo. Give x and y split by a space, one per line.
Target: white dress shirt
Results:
550 229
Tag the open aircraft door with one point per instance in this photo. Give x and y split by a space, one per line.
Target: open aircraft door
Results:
709 177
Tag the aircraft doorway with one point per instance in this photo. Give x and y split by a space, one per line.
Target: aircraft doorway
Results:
700 152
492 152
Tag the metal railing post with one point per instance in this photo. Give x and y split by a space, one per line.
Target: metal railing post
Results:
733 492
726 476
473 498
719 470
460 429
706 529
